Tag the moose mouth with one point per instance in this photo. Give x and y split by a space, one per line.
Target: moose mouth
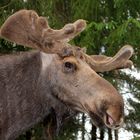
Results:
108 120
111 123
99 119
105 121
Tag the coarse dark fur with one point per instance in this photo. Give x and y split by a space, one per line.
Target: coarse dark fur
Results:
25 96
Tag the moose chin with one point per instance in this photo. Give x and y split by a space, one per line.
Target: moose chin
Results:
55 74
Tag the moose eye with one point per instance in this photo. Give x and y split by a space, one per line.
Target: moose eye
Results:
69 67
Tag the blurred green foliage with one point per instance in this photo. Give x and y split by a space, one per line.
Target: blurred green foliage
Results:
136 138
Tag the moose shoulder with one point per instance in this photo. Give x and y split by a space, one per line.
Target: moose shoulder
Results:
34 82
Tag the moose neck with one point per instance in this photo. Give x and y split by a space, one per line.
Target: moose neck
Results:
25 93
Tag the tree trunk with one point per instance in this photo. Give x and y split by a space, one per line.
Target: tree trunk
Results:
83 126
101 134
116 134
109 134
93 132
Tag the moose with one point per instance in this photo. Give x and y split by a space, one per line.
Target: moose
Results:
55 75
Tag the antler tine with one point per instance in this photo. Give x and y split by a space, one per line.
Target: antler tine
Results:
25 27
68 32
101 63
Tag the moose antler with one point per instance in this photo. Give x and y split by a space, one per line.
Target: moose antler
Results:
101 63
25 27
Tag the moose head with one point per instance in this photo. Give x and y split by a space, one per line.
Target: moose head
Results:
66 72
